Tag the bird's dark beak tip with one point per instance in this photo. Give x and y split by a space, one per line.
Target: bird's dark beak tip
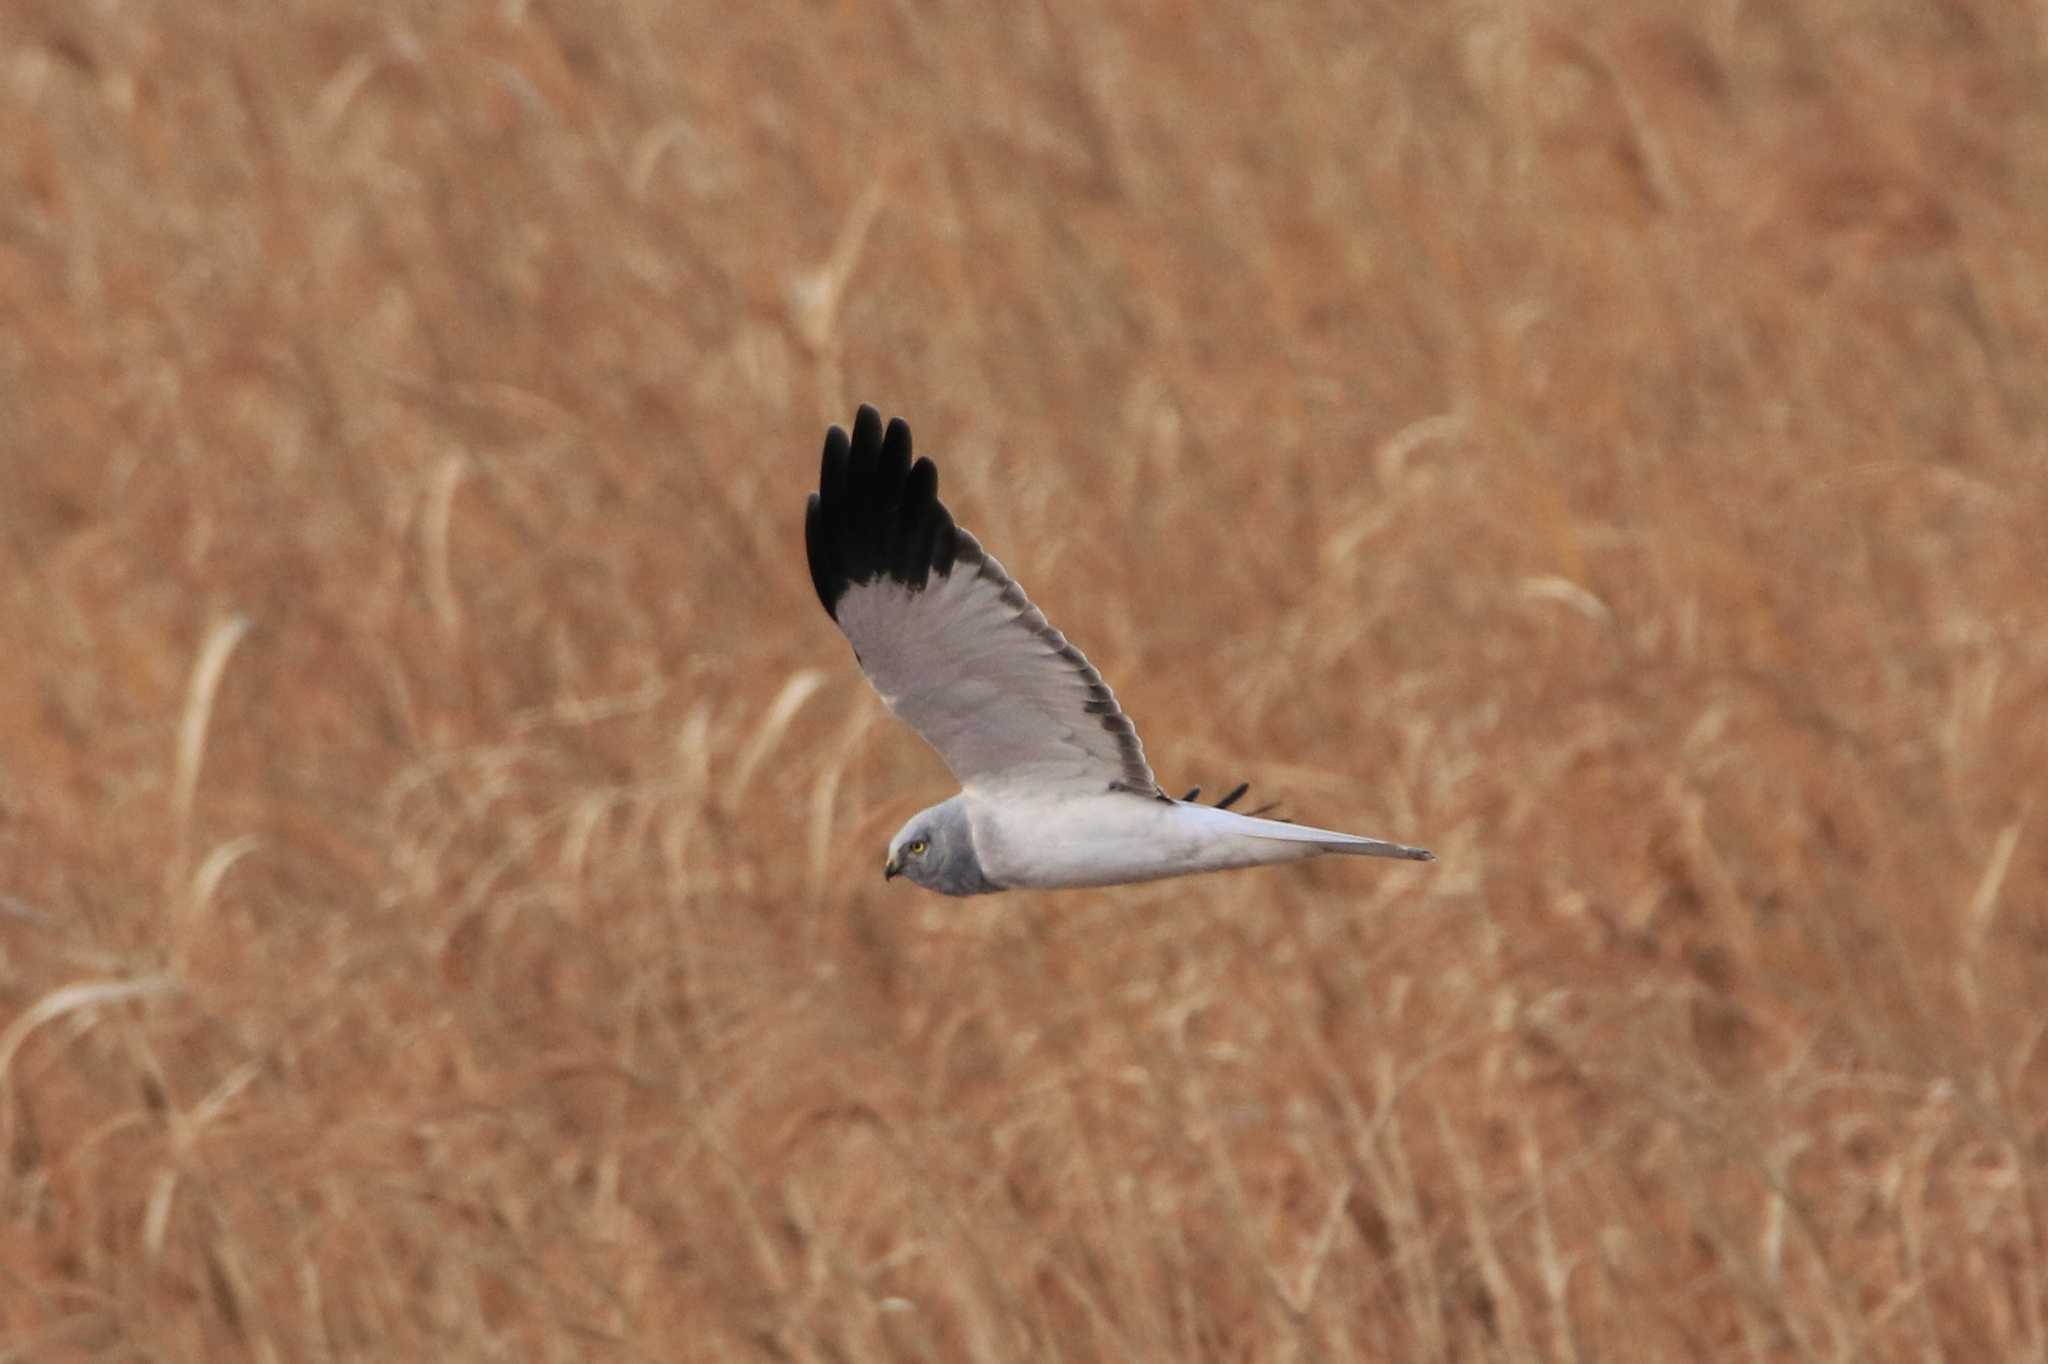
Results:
889 871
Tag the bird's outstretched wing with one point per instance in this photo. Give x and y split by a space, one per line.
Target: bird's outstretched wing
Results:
947 637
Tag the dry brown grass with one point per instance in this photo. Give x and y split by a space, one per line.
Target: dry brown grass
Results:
438 828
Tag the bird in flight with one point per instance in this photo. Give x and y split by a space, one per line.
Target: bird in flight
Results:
1054 787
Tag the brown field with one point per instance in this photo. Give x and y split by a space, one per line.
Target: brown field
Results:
439 832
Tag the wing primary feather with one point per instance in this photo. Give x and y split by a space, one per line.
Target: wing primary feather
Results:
866 496
946 539
892 514
867 441
832 466
877 514
825 523
920 525
893 464
815 550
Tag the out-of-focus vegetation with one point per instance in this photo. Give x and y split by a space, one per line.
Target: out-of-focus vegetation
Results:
438 830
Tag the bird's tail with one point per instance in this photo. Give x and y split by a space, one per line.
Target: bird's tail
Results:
1323 840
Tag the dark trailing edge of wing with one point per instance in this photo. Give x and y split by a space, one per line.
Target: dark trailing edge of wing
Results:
876 514
1232 797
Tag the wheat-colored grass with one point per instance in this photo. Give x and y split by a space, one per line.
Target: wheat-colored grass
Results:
438 831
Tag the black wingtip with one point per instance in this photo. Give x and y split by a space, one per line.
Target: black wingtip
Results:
814 547
876 513
867 428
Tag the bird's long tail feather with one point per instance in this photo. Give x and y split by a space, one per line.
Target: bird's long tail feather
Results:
1324 840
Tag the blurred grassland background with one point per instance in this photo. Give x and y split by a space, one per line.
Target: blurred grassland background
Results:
439 832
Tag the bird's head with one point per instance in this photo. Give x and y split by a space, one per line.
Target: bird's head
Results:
935 849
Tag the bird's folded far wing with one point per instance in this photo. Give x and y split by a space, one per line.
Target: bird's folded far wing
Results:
944 634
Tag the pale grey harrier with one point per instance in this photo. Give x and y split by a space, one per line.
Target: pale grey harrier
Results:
1055 790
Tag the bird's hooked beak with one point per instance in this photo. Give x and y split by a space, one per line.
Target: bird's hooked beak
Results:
891 870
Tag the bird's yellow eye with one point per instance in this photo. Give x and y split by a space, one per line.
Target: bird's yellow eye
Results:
916 847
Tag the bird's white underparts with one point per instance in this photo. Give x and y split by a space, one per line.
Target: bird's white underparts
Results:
1054 787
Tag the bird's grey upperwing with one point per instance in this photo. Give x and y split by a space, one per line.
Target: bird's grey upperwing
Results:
946 636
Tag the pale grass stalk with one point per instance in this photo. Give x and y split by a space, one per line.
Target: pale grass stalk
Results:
926 1172
1967 717
977 1290
65 999
205 885
188 756
339 91
637 809
1733 919
1991 1285
1120 1253
1771 1305
1555 1269
581 824
976 1293
519 843
231 1281
873 1315
313 1308
1376 1143
1509 1316
675 838
1982 911
185 1128
1183 1290
531 408
799 1216
193 722
156 1212
1989 1092
1913 1220
774 724
692 780
825 798
651 146
814 297
1206 1133
1778 1178
900 1323
693 750
579 711
1113 1342
1772 1238
1564 592
1301 1297
607 1203
214 869
831 1263
434 540
731 1172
